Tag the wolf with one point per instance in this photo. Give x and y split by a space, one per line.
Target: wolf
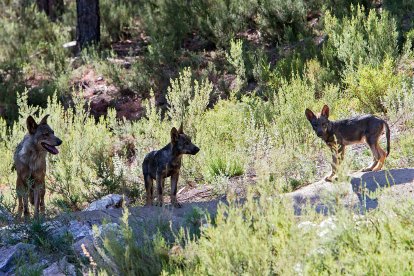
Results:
30 165
166 162
338 134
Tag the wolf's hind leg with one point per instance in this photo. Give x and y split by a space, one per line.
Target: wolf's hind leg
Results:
382 155
375 154
173 196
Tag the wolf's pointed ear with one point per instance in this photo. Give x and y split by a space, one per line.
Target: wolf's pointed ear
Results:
174 135
309 114
325 111
180 130
44 120
31 125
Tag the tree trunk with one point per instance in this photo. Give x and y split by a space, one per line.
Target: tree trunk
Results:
88 28
52 8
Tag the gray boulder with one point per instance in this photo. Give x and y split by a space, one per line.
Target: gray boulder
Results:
110 201
9 255
60 268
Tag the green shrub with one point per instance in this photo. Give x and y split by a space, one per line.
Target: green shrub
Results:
30 48
263 237
170 22
127 257
167 23
188 99
222 134
116 18
290 103
282 20
372 84
235 59
361 39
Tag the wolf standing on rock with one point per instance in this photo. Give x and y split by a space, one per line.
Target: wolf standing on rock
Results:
338 134
166 162
30 164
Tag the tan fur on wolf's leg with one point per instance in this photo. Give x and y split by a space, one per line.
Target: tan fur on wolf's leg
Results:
334 165
370 167
331 177
381 160
376 155
337 158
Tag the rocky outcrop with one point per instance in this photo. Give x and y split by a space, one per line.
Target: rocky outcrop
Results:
5 216
107 202
60 268
10 255
363 191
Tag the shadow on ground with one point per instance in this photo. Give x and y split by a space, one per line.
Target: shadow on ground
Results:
367 186
364 191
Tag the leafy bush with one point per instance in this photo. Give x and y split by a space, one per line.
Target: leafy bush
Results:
30 48
224 145
235 58
290 102
361 39
116 18
282 20
187 100
130 258
372 84
219 21
263 237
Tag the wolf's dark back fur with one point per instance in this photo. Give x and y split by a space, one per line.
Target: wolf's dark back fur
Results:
338 134
359 127
166 162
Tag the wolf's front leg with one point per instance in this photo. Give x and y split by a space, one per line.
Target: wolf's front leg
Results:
36 201
338 153
42 199
174 185
20 191
160 186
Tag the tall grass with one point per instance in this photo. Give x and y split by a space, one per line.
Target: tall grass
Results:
263 236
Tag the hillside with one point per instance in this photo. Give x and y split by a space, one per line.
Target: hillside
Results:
239 77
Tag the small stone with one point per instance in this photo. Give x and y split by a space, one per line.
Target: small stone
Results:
79 230
60 268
